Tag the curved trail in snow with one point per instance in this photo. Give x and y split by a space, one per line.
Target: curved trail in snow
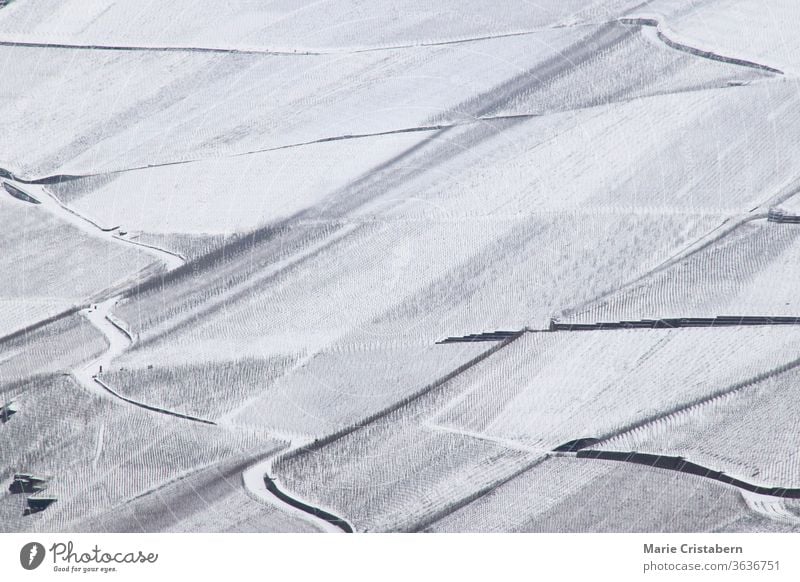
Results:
259 484
99 315
667 39
46 200
119 339
681 465
255 479
41 198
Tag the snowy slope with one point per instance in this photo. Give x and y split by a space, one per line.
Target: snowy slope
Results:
50 266
569 495
330 189
289 25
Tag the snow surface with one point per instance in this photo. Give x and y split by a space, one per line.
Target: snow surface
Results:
762 32
548 389
49 264
289 25
569 495
281 207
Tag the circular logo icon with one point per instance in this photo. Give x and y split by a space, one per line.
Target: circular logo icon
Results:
31 555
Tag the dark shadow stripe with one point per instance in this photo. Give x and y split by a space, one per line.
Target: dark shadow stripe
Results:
41 323
322 442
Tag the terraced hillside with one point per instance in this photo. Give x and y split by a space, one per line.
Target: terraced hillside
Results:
409 271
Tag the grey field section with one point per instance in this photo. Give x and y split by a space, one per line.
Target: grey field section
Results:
399 266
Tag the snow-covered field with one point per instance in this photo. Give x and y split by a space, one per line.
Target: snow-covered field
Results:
550 388
49 266
419 279
256 221
571 495
761 32
739 433
396 473
54 347
291 24
98 455
752 270
209 498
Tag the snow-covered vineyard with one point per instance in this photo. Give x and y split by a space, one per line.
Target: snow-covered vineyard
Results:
399 265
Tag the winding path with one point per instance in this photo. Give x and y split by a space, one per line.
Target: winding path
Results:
119 340
259 484
672 43
46 200
681 465
119 337
256 477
